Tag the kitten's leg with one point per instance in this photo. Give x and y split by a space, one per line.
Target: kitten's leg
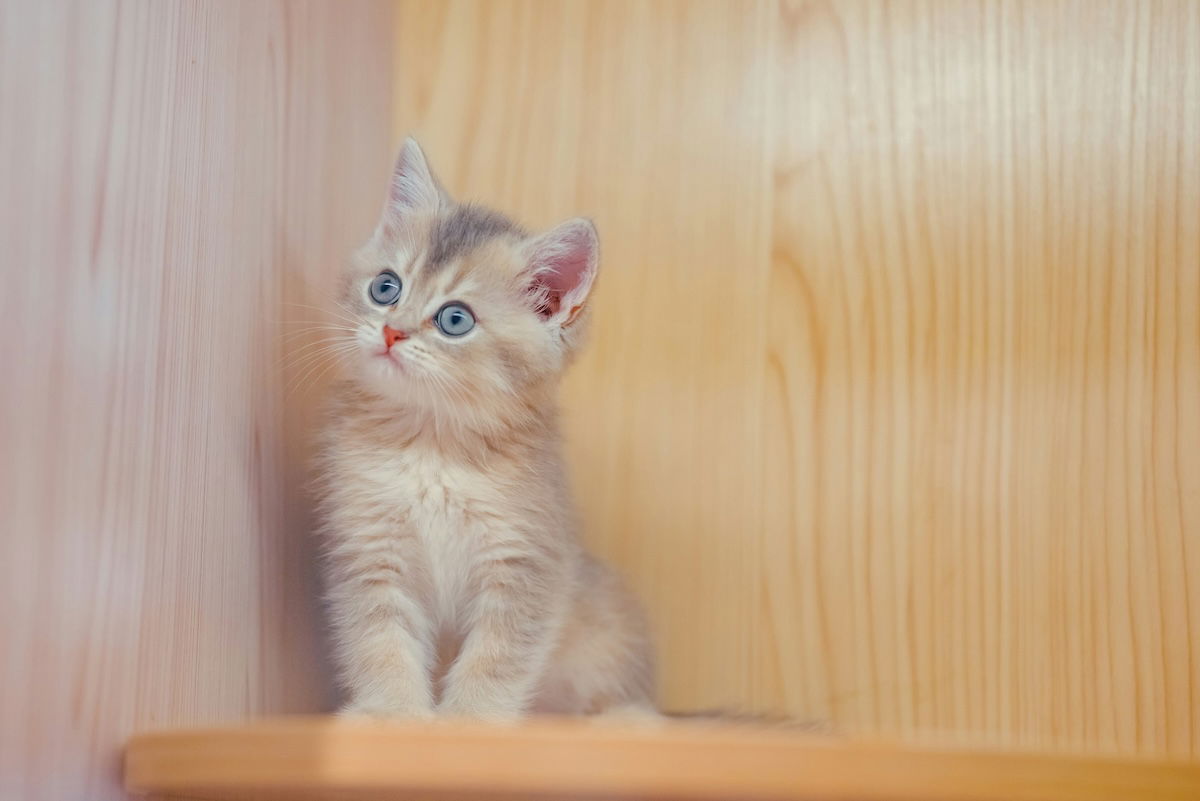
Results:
604 663
512 629
382 631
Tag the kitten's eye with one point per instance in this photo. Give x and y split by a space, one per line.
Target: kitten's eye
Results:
385 289
454 319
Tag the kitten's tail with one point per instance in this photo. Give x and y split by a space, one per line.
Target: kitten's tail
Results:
760 719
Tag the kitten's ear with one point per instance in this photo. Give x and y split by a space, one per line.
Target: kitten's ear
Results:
413 188
562 265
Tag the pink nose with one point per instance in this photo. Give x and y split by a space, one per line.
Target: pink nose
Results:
391 336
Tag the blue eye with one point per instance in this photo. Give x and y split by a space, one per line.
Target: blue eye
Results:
454 319
385 288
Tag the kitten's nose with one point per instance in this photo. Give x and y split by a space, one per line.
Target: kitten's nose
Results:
391 336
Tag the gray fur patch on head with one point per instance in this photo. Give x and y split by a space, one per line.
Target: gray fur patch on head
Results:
462 230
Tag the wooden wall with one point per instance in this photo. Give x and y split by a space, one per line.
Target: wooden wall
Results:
172 175
892 411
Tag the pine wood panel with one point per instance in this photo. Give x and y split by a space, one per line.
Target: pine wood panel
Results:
319 759
892 411
172 174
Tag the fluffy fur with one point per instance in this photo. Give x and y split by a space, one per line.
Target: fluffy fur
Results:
456 581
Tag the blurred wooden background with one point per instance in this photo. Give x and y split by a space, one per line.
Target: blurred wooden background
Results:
173 175
892 411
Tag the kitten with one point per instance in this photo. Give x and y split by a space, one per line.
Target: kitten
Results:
456 580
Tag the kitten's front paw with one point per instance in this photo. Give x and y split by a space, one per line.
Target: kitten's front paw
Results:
490 711
379 710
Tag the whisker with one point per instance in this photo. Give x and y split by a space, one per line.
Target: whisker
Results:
323 323
452 386
292 360
320 375
303 377
321 336
343 316
324 350
322 344
292 339
291 343
314 372
293 304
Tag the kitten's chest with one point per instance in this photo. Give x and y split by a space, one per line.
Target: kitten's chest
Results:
440 498
446 508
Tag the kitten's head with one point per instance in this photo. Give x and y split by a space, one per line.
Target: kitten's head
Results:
459 310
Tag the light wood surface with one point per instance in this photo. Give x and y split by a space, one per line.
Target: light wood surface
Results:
319 759
172 175
892 411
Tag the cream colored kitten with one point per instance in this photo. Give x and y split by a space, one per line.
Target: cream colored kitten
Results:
456 579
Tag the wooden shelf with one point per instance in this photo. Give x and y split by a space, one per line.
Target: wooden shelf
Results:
323 758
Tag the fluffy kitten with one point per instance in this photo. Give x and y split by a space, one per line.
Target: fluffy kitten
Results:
456 580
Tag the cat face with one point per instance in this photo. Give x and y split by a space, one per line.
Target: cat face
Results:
459 311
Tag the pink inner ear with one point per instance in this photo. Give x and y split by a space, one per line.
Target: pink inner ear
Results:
568 271
561 265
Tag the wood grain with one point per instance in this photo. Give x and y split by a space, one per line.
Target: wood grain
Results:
892 410
173 175
316 759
